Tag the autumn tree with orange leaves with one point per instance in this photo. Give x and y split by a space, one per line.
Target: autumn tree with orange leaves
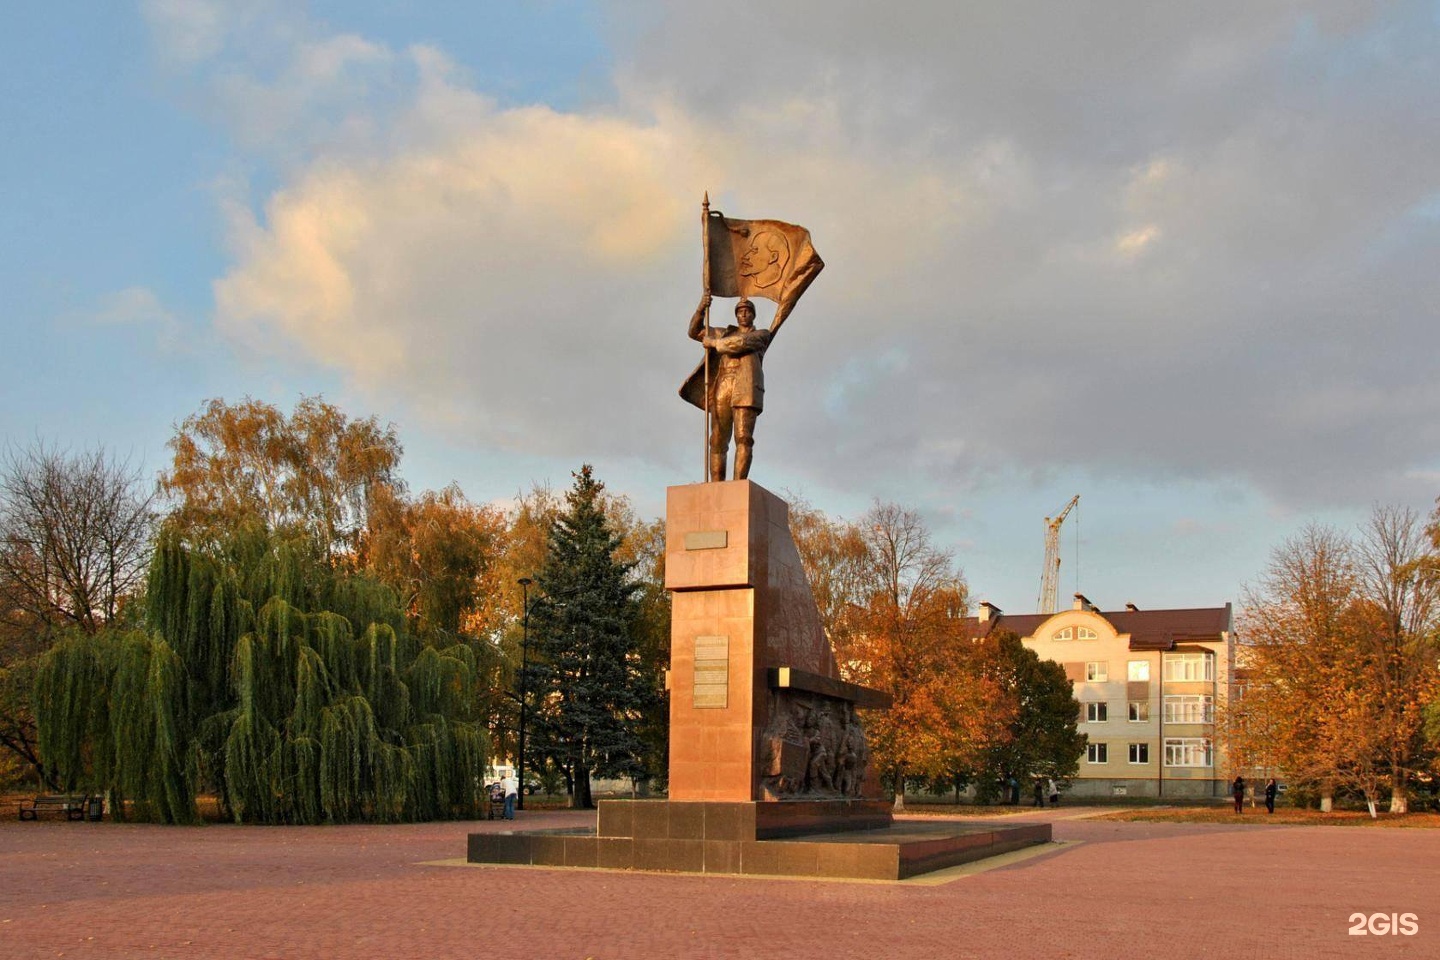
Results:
892 604
1338 662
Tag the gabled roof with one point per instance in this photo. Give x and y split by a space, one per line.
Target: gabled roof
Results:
1148 629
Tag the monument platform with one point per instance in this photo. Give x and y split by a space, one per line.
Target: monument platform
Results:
770 770
757 839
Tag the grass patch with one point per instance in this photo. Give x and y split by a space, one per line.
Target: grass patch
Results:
913 808
1284 815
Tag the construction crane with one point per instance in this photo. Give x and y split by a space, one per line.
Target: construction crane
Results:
1050 576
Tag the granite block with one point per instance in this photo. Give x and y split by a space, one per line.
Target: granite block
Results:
687 820
759 857
799 859
547 851
615 853
650 819
582 852
508 848
653 854
687 856
720 856
615 818
729 821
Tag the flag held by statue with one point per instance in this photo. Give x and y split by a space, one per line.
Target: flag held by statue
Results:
769 259
760 258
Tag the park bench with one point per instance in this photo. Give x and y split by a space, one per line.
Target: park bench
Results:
73 806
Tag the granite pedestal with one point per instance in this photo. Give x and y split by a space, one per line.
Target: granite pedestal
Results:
757 839
769 768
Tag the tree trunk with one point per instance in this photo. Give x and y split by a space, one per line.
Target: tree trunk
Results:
582 799
1327 798
1399 801
24 747
899 790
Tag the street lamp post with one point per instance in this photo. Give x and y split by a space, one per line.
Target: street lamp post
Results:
524 674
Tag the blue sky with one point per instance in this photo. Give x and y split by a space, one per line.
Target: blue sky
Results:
1178 261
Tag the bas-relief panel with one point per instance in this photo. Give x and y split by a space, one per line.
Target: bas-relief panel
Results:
812 747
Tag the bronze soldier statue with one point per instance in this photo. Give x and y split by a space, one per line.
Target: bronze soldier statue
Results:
737 383
770 259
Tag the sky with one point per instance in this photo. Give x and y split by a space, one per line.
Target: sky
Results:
1179 259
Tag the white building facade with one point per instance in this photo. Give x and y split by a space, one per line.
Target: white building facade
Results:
1148 682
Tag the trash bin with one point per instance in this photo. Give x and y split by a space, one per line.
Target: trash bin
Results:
95 810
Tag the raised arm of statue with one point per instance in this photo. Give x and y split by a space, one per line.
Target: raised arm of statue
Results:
697 322
782 310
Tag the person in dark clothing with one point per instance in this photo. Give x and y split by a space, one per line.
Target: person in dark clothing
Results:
1237 790
1270 790
1039 793
1014 792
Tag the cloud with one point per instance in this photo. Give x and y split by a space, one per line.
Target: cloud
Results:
1048 244
187 31
140 309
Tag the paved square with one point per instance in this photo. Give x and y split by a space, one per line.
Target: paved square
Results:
1114 890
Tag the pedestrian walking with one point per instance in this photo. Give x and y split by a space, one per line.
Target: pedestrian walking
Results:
1039 793
1014 786
512 790
1270 790
1054 793
1237 790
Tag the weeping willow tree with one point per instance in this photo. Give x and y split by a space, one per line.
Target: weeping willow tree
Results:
289 688
107 709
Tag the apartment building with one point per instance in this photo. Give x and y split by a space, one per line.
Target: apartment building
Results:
1148 683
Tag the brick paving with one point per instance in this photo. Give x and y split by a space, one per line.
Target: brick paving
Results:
1125 890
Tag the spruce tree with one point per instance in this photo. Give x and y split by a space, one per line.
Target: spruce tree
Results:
590 689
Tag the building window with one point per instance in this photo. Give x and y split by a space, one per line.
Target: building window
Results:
1067 634
1085 633
1189 666
1139 670
1139 753
1096 671
1139 711
1187 709
1097 712
1189 752
1097 752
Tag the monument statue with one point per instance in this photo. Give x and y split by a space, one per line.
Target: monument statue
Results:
736 394
742 258
769 769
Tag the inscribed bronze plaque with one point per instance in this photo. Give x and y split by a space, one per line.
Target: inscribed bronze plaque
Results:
707 540
712 673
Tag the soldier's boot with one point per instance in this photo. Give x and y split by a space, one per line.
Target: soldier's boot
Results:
717 466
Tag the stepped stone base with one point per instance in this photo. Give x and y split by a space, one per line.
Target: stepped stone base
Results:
835 839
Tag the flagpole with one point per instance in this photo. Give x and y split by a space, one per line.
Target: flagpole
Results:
705 326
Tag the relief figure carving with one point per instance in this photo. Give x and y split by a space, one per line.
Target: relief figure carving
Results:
813 748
